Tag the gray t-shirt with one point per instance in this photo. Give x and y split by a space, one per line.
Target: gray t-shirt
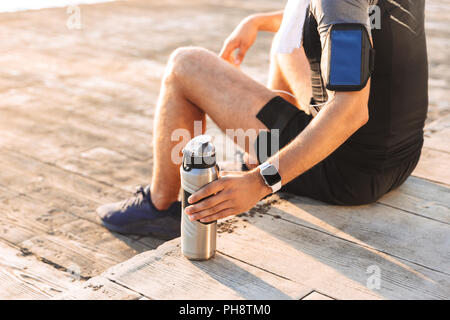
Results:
399 90
330 12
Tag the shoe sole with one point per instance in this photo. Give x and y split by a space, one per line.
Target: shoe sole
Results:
141 229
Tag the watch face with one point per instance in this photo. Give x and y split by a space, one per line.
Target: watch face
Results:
271 175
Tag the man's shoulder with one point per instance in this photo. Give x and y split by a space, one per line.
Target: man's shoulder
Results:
330 6
343 2
329 12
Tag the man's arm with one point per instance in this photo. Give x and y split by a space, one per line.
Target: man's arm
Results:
342 116
244 35
269 22
344 113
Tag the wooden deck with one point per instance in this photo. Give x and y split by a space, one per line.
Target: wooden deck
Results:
75 131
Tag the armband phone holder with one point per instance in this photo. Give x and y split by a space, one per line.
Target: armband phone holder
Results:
350 57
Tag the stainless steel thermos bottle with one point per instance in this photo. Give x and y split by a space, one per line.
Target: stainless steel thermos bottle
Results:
198 240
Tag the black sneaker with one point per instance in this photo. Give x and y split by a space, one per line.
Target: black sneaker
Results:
139 216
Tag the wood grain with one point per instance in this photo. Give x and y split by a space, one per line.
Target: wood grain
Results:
98 288
165 274
421 197
439 140
433 166
392 231
62 238
109 166
5 193
317 296
315 252
24 277
337 267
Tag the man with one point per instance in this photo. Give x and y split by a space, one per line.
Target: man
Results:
365 140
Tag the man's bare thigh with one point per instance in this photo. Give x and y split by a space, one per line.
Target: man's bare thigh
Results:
230 97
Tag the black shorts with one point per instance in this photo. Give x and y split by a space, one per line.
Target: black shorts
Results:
333 180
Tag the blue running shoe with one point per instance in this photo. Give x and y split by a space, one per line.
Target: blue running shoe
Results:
139 216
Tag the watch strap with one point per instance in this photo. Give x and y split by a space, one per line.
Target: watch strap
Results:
277 185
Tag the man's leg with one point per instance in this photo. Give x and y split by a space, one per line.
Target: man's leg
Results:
196 83
291 73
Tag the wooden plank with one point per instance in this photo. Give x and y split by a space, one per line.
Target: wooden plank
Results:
322 260
46 221
89 256
421 197
22 218
337 267
109 166
165 274
48 141
439 140
395 232
114 100
66 136
5 193
58 186
98 288
61 189
317 296
108 243
24 277
65 131
436 126
63 239
433 166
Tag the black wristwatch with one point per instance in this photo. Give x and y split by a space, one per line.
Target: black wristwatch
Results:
270 175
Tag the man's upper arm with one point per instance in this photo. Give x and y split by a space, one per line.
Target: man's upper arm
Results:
347 55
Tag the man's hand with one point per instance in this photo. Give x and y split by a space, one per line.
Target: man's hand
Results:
242 38
233 193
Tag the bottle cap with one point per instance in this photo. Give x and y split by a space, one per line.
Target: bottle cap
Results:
199 152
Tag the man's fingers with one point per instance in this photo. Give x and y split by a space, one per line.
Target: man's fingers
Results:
227 51
206 203
211 211
240 56
219 215
208 190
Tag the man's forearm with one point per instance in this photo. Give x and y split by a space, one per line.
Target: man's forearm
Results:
342 116
270 21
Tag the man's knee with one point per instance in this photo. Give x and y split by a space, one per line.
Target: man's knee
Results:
183 61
